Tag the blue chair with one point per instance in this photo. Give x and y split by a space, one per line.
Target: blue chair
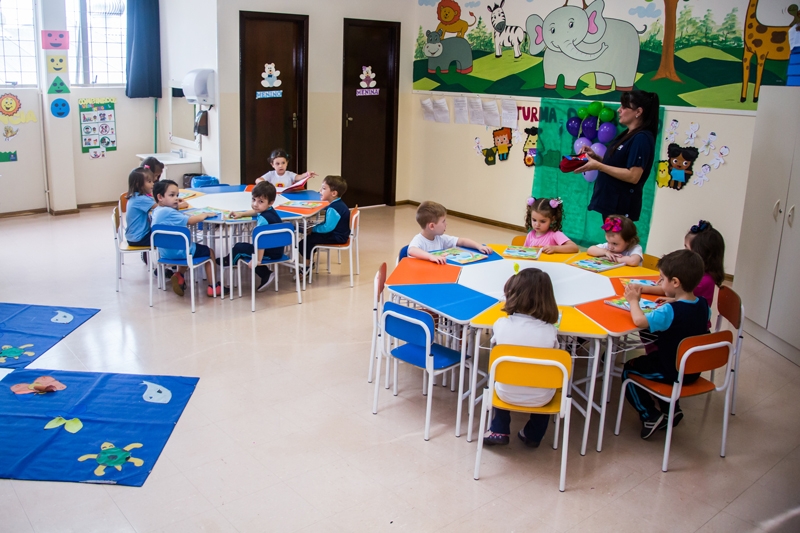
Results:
415 328
403 253
175 238
272 236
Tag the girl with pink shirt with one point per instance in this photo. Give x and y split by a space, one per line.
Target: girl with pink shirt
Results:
543 220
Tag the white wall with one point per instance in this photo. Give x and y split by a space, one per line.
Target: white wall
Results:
22 182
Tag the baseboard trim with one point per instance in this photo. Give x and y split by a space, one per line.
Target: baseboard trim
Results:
779 345
24 213
64 212
467 216
99 204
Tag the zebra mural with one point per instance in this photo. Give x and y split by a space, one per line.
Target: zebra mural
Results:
505 35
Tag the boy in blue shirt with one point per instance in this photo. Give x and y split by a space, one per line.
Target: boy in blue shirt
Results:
683 315
264 194
166 195
336 228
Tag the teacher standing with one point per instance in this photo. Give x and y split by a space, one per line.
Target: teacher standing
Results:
624 169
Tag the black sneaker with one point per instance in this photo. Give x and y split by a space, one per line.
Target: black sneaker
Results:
528 442
144 258
266 282
651 426
226 261
492 439
677 418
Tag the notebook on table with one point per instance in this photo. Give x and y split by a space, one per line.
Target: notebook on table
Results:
597 265
460 255
647 306
523 252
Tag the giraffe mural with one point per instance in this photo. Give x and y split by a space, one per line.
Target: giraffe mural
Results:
764 42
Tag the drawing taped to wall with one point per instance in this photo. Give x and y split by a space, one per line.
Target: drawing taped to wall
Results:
98 126
691 53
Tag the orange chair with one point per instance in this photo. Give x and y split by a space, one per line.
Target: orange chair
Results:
729 306
377 311
547 368
650 261
696 354
519 240
355 217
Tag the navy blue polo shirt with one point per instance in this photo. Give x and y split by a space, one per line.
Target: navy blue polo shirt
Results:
612 196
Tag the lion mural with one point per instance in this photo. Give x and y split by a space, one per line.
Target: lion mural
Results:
449 14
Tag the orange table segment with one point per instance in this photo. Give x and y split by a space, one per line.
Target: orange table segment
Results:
614 320
412 271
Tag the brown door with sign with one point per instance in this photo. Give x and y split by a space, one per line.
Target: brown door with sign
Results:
273 74
369 111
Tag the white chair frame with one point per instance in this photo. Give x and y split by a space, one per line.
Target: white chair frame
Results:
122 246
190 265
355 225
292 262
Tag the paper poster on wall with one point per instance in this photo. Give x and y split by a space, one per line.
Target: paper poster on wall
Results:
9 132
440 111
8 157
427 110
509 119
98 126
56 63
58 86
55 39
490 115
475 111
9 104
460 110
59 108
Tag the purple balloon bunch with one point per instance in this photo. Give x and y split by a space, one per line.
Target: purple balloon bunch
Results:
594 127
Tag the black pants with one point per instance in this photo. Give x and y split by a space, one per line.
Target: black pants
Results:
144 242
534 429
649 367
314 239
245 250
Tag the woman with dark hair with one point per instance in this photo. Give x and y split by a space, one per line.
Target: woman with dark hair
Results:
624 169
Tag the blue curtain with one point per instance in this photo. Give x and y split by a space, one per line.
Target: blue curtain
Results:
143 66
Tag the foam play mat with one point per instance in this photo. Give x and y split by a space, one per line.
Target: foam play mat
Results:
27 331
87 427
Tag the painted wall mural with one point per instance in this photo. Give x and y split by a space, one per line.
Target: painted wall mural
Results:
715 53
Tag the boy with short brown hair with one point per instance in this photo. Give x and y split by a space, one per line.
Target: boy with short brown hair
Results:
432 218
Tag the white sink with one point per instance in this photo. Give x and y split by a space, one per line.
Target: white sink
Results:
169 158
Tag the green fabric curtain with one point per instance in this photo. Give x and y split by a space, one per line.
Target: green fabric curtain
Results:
580 225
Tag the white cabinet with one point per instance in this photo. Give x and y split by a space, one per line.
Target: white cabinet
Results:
768 261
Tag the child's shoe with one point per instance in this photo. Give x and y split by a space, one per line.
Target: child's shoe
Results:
266 282
492 439
528 442
677 418
211 290
178 283
651 426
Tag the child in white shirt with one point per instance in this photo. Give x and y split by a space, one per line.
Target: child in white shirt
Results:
432 218
622 242
280 177
533 313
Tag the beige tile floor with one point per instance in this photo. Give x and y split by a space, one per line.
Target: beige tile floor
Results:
279 435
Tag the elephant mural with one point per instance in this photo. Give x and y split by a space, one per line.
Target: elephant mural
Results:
581 41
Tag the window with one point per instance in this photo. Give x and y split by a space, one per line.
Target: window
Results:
17 43
97 41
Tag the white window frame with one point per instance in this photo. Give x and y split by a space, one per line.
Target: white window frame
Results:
4 84
81 48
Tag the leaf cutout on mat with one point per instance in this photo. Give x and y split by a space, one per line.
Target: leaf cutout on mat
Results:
56 422
74 425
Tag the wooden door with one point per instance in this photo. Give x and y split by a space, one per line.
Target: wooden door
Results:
369 111
785 306
273 90
774 139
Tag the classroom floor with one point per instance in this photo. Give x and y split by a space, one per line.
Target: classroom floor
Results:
280 436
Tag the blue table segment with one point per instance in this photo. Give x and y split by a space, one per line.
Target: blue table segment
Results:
28 331
455 301
100 428
302 195
220 188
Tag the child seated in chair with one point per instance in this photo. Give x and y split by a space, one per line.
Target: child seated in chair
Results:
336 228
264 194
166 212
685 315
432 218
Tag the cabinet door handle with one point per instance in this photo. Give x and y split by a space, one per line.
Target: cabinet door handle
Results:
776 210
790 216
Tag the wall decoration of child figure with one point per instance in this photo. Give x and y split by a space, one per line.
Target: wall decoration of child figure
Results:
529 148
681 159
502 141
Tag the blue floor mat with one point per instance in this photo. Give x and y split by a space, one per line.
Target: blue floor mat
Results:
28 331
100 428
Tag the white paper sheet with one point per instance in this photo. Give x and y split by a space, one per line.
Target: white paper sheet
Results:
440 110
427 110
490 115
475 111
460 109
509 114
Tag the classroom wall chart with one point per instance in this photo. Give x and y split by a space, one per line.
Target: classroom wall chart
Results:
98 126
691 53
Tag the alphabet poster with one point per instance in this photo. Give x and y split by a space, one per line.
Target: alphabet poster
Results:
695 54
98 126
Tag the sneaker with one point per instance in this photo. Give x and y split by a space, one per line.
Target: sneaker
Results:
178 283
651 426
226 261
168 273
266 282
528 442
495 439
211 290
677 418
144 258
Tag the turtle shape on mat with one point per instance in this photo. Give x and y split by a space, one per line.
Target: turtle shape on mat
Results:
110 455
14 353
